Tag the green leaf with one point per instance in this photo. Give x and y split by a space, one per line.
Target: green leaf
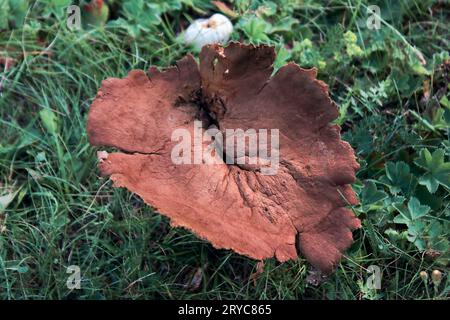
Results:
286 24
19 10
444 101
420 244
256 29
435 229
398 178
419 69
396 235
410 213
283 55
404 216
269 8
438 171
370 195
417 210
4 14
426 197
416 228
55 7
447 116
49 120
6 199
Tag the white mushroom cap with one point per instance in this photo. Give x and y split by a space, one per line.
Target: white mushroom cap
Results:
216 29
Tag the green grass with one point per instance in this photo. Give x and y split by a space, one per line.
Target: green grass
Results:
61 213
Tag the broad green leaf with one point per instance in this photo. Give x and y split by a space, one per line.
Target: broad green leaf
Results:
256 29
435 229
370 195
416 228
49 120
283 55
395 235
445 102
412 212
284 25
55 7
438 171
404 217
420 244
417 210
434 201
19 10
398 178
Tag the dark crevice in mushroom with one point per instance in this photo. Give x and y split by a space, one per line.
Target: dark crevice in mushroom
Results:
297 243
210 111
204 113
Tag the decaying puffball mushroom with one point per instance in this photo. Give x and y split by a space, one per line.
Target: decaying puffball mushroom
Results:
216 29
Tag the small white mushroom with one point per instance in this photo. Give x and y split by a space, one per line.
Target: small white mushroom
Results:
216 29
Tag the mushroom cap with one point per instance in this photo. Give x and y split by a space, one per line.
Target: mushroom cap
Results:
216 29
234 207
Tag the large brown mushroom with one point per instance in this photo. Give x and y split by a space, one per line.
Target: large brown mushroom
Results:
234 206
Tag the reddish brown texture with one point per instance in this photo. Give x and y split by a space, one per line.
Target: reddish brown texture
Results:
94 5
256 215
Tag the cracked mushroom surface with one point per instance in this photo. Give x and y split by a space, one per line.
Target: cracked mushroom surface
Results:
303 206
